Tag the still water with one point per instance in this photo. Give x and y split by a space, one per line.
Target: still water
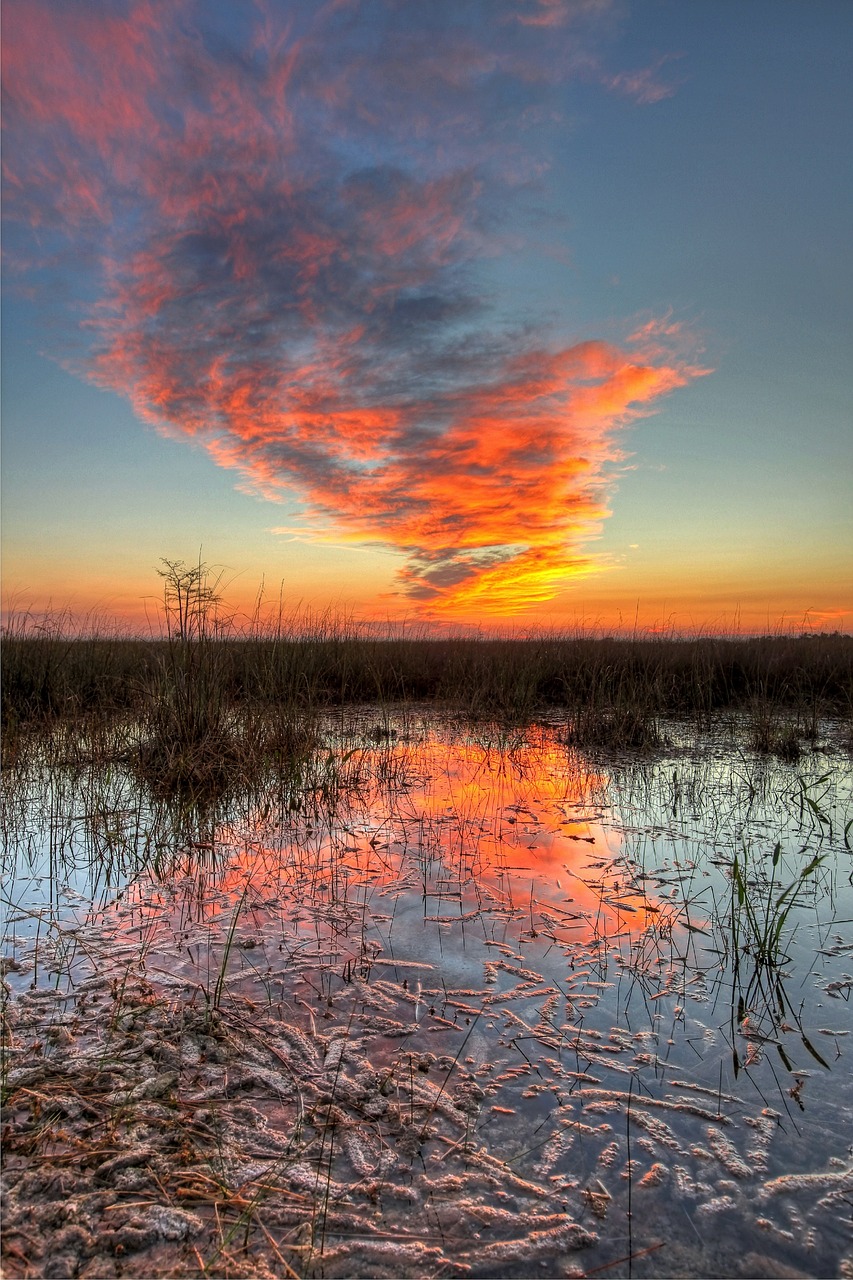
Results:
566 1015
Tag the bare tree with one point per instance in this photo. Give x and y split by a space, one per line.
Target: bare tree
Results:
190 597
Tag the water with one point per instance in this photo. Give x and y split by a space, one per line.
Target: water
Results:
518 987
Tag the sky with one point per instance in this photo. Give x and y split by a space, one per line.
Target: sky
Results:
504 314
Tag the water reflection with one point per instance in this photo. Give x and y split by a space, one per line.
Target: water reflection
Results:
442 842
566 946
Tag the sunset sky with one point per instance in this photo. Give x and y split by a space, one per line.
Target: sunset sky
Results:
513 313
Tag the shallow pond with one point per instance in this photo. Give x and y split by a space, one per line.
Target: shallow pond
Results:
480 1003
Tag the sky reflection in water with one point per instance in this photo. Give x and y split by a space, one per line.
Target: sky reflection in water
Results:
564 930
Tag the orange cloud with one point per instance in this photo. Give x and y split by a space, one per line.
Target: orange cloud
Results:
284 223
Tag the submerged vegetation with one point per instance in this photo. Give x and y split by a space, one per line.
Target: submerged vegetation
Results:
455 998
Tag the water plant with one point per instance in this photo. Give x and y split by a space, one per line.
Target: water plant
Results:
760 911
215 1001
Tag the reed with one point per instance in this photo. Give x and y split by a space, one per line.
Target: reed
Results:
759 914
212 698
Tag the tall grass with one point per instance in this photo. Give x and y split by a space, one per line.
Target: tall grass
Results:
208 693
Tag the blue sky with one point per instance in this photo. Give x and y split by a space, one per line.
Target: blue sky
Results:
511 313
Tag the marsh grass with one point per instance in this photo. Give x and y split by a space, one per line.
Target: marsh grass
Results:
759 933
774 730
213 700
760 911
624 727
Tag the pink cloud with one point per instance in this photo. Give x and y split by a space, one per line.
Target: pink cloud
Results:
286 231
643 85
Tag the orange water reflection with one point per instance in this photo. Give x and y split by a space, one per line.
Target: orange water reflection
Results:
438 838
